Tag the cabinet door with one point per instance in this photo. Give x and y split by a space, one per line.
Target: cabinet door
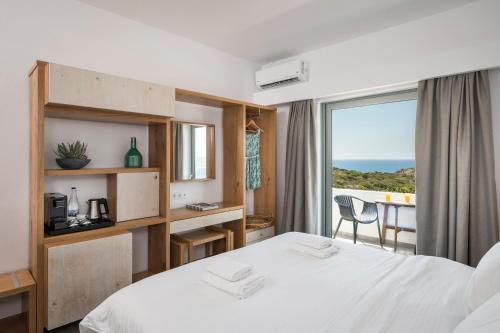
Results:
82 275
137 195
80 87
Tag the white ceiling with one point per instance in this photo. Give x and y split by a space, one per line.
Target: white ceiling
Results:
267 30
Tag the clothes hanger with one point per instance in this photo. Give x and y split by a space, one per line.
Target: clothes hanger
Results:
252 127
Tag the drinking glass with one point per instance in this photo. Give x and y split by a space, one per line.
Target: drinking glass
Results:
407 198
387 197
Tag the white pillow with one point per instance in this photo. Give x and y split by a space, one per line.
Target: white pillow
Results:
485 319
485 280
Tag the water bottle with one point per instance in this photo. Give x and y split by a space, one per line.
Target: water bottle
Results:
73 207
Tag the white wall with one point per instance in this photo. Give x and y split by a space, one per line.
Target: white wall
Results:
72 33
463 39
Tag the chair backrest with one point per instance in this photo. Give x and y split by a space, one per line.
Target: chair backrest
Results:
345 206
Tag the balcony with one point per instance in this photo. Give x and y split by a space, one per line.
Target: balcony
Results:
367 233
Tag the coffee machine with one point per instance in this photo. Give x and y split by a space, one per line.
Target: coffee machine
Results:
56 211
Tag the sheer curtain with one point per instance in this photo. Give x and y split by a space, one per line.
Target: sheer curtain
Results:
455 176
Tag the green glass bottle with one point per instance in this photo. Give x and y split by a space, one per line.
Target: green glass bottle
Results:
133 158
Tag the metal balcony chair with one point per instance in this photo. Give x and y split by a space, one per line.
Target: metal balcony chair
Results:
369 214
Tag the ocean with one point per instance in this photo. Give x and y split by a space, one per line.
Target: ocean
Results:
374 165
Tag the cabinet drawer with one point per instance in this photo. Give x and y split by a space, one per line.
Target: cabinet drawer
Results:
259 234
82 275
80 87
134 195
204 221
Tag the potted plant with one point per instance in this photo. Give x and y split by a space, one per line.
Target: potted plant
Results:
72 156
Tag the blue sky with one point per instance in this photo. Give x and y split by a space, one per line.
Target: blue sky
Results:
382 131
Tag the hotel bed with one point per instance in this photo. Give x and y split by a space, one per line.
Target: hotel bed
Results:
359 289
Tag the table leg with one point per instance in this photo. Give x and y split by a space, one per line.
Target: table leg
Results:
396 229
384 223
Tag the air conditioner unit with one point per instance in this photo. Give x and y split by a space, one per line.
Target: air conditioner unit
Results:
280 75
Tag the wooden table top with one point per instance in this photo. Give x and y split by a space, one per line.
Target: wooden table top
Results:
396 203
15 283
183 213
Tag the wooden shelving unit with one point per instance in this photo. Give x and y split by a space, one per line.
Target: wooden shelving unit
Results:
234 114
158 226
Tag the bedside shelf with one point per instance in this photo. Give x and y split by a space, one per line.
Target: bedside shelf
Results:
95 233
97 171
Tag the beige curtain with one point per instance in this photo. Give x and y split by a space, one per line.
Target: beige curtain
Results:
455 176
300 209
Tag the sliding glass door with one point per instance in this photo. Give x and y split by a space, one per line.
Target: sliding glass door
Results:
368 152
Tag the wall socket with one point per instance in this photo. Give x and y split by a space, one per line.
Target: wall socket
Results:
179 195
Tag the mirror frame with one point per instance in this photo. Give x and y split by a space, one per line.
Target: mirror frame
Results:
210 151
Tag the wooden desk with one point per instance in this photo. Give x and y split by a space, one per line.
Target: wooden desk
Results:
231 216
396 205
16 283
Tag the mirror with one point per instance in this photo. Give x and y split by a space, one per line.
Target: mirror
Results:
193 151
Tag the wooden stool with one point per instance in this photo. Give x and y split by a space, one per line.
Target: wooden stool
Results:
215 239
17 283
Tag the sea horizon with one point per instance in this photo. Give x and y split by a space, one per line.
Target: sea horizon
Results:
373 165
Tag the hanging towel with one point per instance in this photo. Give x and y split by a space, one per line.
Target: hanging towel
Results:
253 179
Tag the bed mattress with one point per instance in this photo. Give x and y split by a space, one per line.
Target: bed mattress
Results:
359 289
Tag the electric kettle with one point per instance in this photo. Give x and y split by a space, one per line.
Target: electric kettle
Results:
98 209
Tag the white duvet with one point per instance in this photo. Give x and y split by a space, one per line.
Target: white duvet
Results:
359 289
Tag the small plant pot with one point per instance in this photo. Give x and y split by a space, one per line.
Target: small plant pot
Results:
72 163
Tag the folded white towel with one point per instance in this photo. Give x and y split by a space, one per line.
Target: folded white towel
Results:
240 289
317 243
323 253
229 269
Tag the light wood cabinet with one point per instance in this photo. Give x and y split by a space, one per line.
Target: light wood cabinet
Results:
134 195
83 88
257 235
81 275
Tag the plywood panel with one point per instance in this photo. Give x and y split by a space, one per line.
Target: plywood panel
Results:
79 87
265 196
38 92
81 275
233 128
137 195
159 235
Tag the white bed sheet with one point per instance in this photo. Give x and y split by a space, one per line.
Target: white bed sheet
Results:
359 289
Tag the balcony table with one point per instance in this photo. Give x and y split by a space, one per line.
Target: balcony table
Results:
385 226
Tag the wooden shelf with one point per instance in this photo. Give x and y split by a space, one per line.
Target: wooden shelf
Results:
101 115
96 233
184 213
97 171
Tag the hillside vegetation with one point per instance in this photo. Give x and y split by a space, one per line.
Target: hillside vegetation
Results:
402 181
